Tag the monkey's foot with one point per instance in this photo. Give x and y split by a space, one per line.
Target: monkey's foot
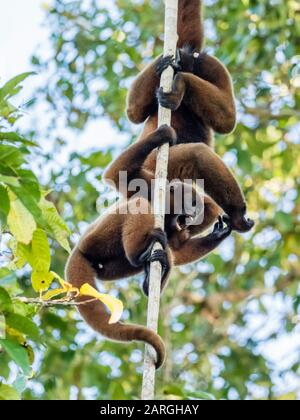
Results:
168 100
166 134
163 63
161 257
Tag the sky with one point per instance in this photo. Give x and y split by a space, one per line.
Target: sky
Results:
21 30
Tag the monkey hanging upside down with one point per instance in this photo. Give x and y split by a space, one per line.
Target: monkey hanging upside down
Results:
186 162
119 245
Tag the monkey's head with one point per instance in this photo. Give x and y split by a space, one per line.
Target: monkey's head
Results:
239 220
185 206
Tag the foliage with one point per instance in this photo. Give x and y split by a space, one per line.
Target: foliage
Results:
27 222
28 218
225 320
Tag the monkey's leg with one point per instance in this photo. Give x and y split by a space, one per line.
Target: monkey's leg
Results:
141 100
197 248
131 161
198 161
209 95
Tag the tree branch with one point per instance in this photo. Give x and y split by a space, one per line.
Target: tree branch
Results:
53 303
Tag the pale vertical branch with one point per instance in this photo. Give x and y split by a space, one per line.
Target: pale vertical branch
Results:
164 117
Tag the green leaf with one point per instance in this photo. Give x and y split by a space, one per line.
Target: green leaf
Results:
8 393
10 180
58 227
200 395
40 252
30 183
9 89
23 325
4 204
29 202
6 304
21 223
15 137
11 156
41 281
17 353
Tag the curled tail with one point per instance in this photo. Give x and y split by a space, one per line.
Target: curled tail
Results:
78 272
190 24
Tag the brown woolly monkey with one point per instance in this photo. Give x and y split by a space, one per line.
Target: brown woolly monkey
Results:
119 244
202 96
186 162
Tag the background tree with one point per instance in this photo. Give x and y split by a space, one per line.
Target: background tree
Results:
224 319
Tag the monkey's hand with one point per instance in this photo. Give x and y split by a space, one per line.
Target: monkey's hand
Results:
164 62
222 229
172 100
160 256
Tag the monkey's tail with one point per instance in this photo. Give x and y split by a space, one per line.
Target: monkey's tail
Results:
190 24
78 272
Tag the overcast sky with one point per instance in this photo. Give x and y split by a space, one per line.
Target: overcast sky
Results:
21 31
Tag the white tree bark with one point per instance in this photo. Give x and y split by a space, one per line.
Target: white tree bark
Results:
164 117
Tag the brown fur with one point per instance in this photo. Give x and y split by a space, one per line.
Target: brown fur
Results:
187 248
202 96
186 161
115 241
112 248
190 24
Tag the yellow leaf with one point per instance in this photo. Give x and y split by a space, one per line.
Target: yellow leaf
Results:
53 293
20 221
68 287
61 281
41 281
114 305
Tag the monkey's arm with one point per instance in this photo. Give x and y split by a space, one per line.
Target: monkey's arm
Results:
197 248
208 94
141 100
211 214
131 161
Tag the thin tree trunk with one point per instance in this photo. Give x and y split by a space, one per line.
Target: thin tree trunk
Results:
164 117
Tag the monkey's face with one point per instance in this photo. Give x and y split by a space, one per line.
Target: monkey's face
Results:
239 221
